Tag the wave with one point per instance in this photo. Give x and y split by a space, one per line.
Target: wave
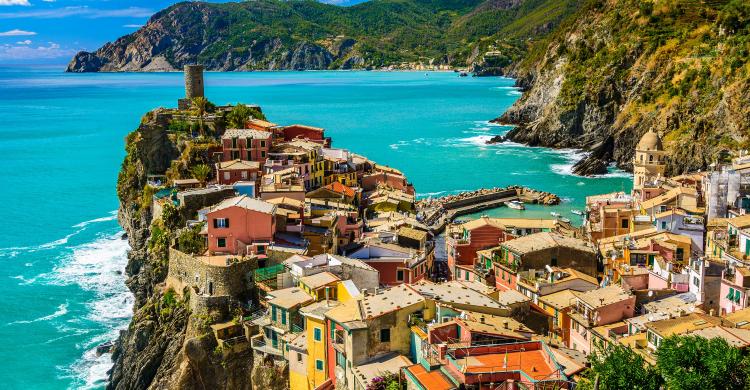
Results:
97 267
572 156
62 310
111 217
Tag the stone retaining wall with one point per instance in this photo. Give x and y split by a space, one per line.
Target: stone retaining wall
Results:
190 271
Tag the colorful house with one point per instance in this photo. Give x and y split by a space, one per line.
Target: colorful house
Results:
241 226
735 286
598 307
246 144
233 171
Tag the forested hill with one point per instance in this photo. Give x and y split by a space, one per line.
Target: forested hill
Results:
305 34
620 67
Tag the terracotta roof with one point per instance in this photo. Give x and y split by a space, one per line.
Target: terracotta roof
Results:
454 293
341 189
739 319
412 233
740 222
286 201
430 380
246 133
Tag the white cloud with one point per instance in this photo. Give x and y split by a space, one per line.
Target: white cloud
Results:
83 11
132 25
16 33
25 52
26 42
15 2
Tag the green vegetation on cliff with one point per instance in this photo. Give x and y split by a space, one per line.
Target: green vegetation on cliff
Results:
679 67
306 34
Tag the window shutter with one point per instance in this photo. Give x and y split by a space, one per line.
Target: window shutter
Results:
226 222
216 223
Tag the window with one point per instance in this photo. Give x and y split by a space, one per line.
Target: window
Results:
466 275
319 365
317 334
234 143
624 224
385 335
261 249
227 175
221 242
283 316
650 158
221 223
249 155
299 357
244 174
400 275
262 154
273 313
696 281
262 144
663 225
554 262
340 359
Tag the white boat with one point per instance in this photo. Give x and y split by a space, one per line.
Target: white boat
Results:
577 212
554 214
563 219
514 204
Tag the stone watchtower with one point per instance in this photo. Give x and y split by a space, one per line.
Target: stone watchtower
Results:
649 163
193 85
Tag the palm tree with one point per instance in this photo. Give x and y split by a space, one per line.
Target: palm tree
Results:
200 103
201 172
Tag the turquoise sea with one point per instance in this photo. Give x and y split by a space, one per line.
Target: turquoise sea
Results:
61 144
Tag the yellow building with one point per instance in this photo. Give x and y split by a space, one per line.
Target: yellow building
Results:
649 163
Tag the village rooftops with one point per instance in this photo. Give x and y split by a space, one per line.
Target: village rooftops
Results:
390 362
668 197
682 325
340 189
454 293
495 325
247 203
348 314
289 298
319 280
545 240
286 201
414 234
602 297
389 300
385 168
319 309
238 164
511 297
741 222
738 338
532 358
246 133
678 304
185 182
262 123
561 299
304 144
738 319
429 380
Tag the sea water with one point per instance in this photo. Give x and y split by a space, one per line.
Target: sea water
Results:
61 144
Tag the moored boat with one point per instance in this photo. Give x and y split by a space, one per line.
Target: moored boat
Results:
577 212
514 204
555 214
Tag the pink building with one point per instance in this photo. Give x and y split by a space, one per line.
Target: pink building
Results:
241 226
598 307
230 172
735 286
246 144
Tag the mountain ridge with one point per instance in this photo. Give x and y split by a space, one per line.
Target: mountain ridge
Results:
305 34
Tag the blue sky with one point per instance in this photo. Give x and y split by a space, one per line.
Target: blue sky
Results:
52 31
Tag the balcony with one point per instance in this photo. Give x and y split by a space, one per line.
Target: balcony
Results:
259 344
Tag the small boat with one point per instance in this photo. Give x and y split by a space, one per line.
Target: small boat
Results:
463 74
577 212
555 214
514 204
563 219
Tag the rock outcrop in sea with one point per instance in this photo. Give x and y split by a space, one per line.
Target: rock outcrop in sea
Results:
164 346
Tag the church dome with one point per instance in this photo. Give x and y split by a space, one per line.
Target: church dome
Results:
650 141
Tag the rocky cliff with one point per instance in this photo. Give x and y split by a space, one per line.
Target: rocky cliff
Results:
165 347
305 34
618 68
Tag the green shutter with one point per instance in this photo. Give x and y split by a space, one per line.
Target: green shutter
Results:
730 296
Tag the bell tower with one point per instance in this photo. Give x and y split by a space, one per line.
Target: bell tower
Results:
649 163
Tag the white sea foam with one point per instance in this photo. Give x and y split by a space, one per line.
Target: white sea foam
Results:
62 310
111 217
572 156
97 267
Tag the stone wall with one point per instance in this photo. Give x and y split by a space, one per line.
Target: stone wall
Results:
234 280
194 200
203 305
479 199
193 81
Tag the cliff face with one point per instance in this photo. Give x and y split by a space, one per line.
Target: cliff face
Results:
165 347
298 35
618 68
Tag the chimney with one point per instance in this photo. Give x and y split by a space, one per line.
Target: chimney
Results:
481 319
505 324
